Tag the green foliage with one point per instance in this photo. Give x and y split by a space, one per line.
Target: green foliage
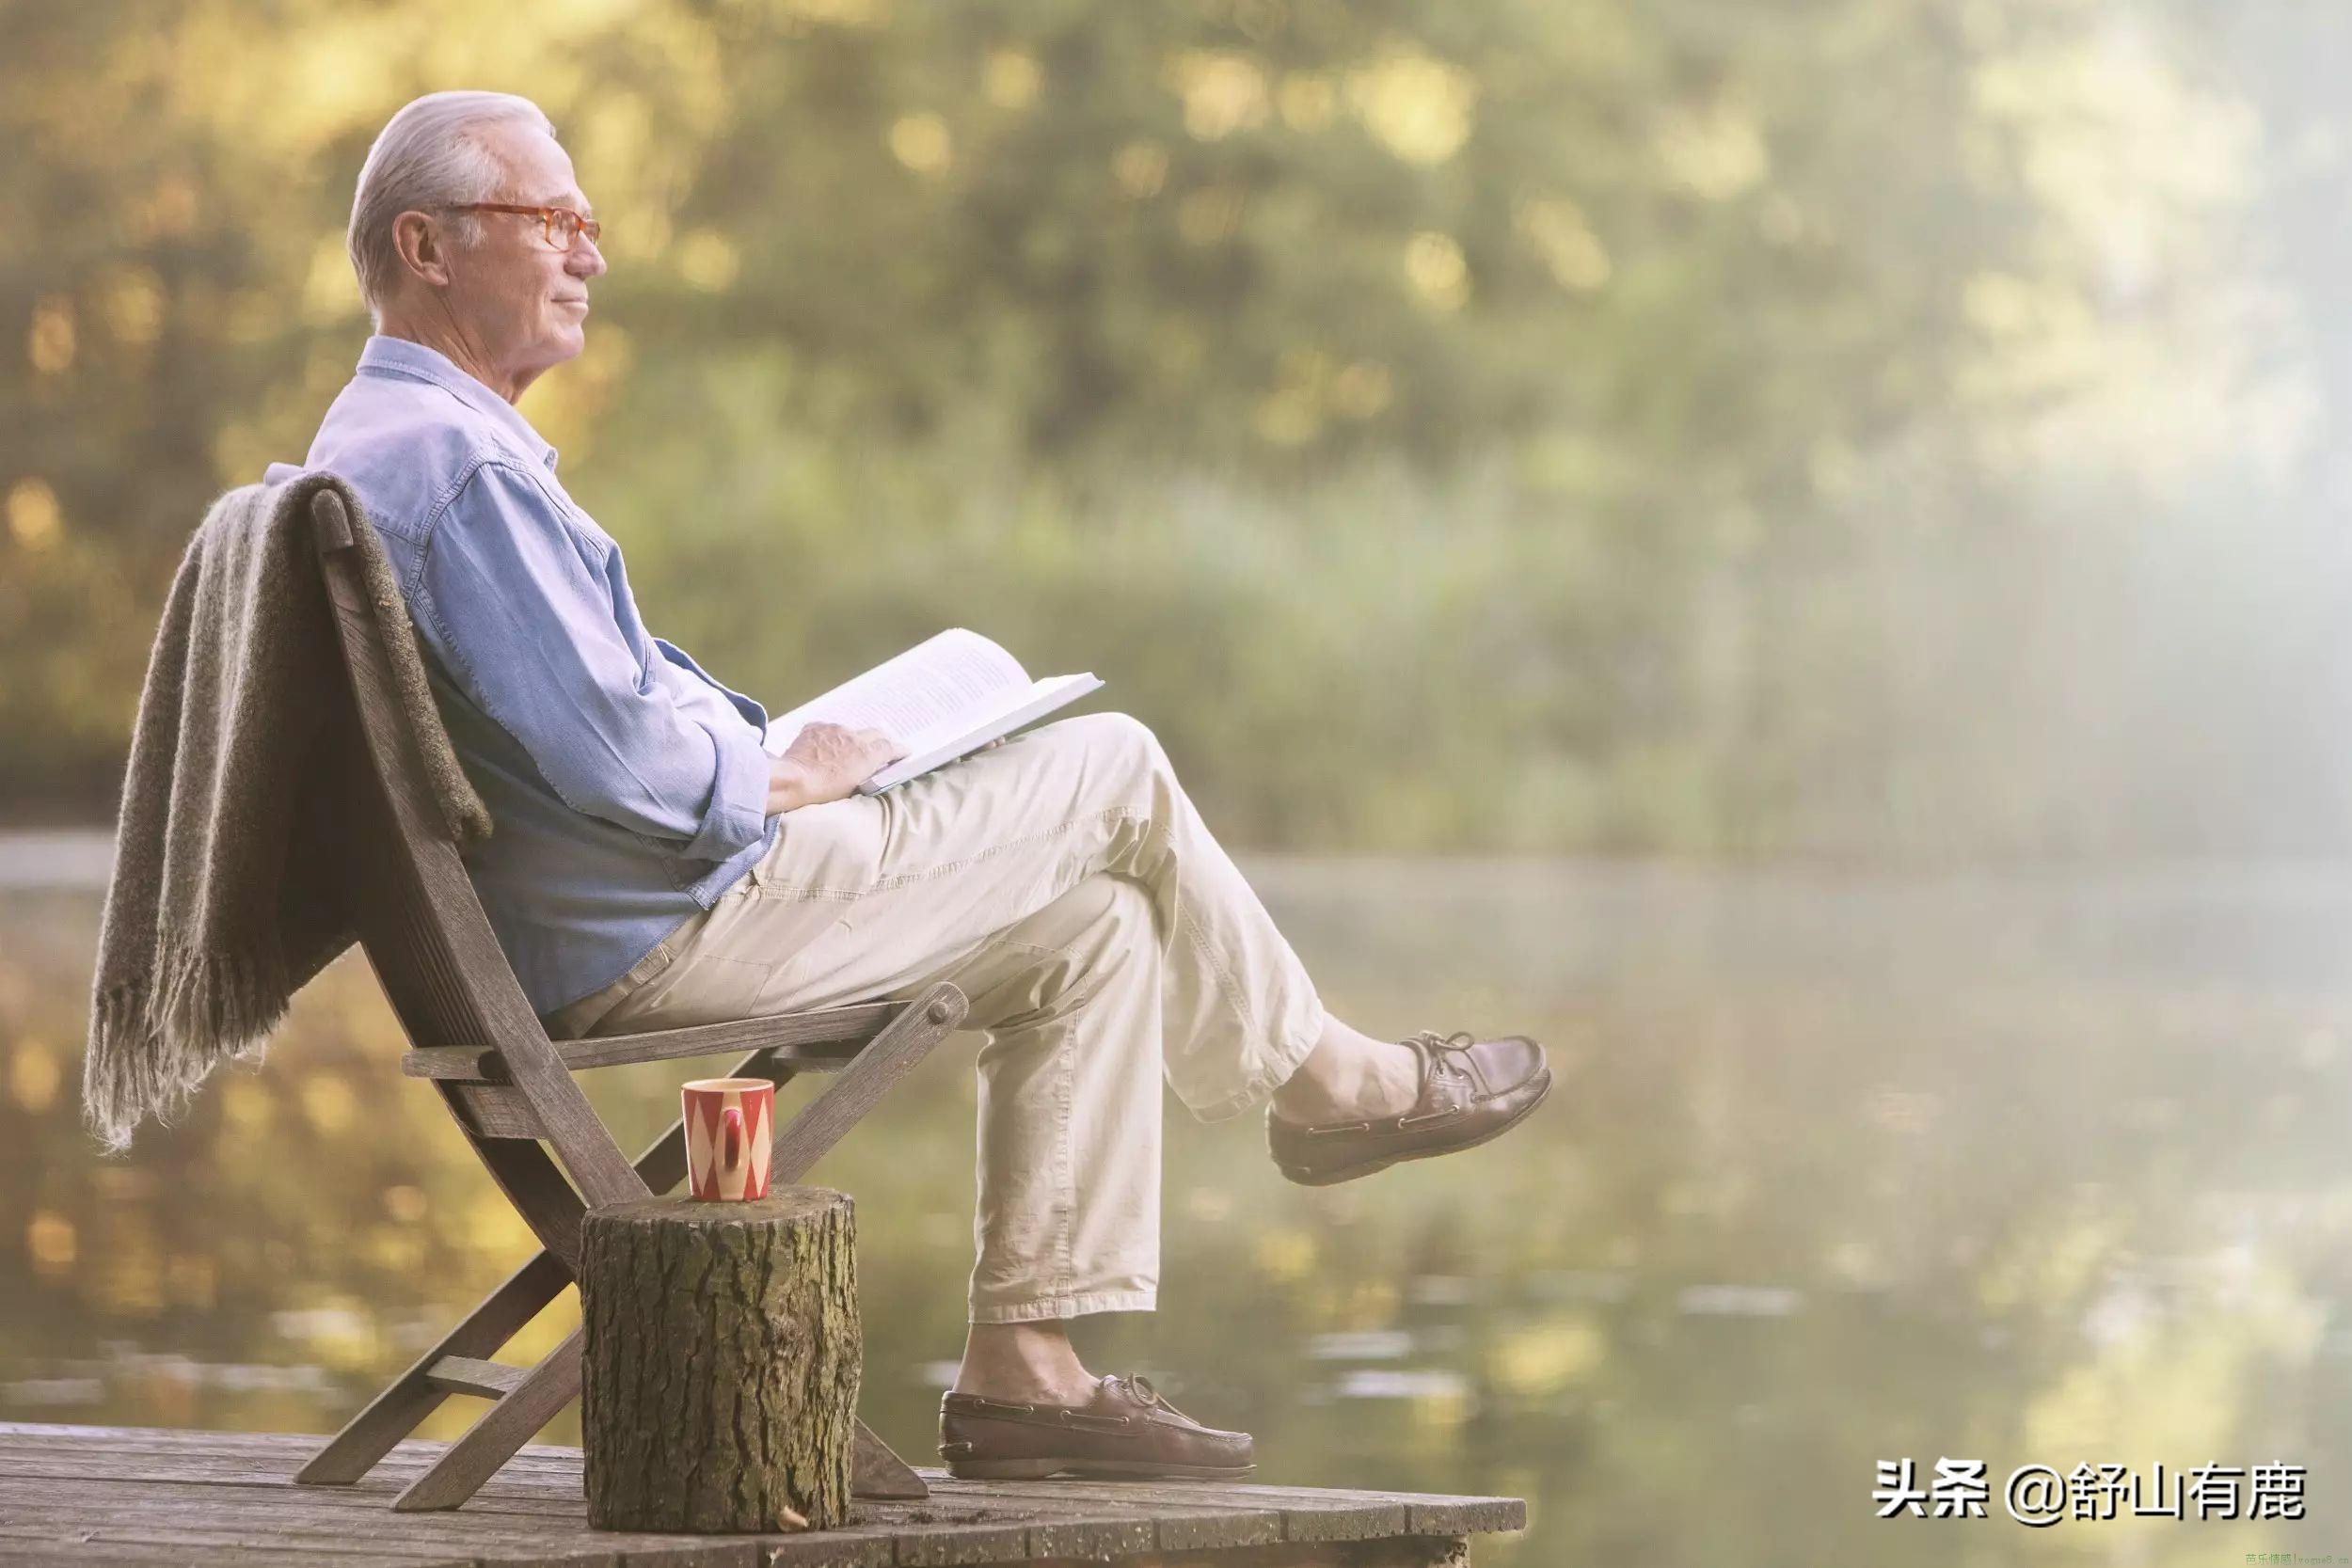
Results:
1378 394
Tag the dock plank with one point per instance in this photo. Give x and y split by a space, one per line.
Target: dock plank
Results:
1190 1517
56 1538
152 1495
291 1530
39 1554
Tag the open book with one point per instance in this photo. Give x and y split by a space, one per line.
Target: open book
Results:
943 698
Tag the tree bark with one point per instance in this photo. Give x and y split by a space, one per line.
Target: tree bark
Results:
721 1361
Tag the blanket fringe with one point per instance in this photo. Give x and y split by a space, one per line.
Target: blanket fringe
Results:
151 1047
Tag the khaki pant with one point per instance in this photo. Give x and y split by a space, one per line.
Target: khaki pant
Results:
1065 881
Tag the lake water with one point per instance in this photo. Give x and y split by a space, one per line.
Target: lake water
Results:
2039 1167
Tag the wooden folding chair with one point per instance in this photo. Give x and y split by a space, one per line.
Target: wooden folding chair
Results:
477 1041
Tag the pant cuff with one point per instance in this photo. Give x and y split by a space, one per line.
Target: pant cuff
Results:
1044 1309
1276 1069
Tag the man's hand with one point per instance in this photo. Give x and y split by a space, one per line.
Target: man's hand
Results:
825 762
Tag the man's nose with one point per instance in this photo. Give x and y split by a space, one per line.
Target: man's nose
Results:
586 260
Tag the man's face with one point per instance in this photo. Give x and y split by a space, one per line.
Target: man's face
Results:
521 302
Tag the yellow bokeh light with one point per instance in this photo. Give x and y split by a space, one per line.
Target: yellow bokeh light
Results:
1547 1358
1435 267
34 519
328 1103
492 1228
33 1076
921 142
1222 92
707 258
49 1241
1557 231
131 303
394 1251
245 1105
169 209
1419 108
49 344
1286 1254
1011 78
330 289
1714 154
1140 167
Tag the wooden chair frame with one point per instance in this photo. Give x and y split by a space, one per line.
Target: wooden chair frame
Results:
476 1039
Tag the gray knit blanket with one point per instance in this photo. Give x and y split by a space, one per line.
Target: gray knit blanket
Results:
230 885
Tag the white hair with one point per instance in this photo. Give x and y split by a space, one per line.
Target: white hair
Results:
429 155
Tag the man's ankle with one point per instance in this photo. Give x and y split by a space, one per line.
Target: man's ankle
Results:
1016 1387
1024 1364
1363 1082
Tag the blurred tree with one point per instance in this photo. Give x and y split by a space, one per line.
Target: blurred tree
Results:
1392 402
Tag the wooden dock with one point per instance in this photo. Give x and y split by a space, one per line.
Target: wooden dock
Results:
117 1494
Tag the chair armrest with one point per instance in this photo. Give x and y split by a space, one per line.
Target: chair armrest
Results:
819 1040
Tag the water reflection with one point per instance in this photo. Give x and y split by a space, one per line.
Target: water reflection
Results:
2026 1169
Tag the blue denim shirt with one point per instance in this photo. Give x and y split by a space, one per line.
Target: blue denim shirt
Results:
627 787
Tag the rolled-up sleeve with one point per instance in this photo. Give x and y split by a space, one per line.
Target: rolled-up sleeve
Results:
754 713
521 606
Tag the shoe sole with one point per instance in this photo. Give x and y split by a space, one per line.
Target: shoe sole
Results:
1132 1469
1368 1167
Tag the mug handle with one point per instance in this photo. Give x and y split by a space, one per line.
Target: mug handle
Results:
732 1156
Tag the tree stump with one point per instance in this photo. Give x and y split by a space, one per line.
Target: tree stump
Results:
721 1361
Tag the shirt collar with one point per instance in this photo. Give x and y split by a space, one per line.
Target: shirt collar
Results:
400 357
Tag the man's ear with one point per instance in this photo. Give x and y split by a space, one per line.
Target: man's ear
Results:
424 247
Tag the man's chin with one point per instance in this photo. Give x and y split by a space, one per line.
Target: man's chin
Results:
565 342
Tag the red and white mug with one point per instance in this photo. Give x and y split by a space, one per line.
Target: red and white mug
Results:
730 1123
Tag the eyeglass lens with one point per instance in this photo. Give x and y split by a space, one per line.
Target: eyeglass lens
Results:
564 227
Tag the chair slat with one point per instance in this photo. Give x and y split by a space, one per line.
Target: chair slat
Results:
793 1037
466 1374
496 1110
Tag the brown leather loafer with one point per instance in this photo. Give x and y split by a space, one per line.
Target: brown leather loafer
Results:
1125 1430
1471 1090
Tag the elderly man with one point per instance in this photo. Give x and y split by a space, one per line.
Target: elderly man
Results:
654 868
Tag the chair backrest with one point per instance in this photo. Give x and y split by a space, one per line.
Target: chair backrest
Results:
414 905
424 930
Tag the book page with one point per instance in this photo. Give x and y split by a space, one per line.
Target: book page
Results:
978 727
932 690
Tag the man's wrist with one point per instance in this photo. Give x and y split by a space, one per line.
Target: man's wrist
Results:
787 787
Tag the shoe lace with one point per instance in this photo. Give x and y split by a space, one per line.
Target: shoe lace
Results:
1141 1387
1447 1056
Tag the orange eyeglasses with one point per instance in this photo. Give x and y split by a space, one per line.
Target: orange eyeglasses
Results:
560 225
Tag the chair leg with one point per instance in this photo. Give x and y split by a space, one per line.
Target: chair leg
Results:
506 1426
396 1411
532 1181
